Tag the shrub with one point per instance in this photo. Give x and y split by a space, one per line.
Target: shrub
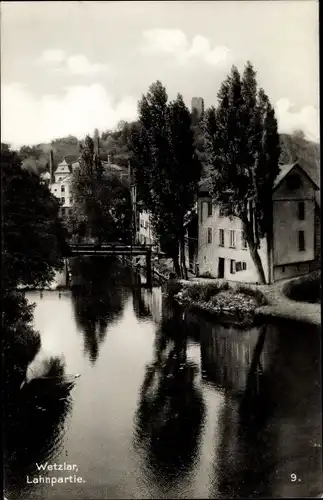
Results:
251 292
305 289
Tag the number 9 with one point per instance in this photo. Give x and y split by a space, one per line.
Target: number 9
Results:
293 477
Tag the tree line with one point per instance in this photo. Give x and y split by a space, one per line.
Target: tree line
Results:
237 145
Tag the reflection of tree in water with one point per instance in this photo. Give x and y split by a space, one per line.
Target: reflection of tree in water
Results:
97 298
140 308
171 408
35 433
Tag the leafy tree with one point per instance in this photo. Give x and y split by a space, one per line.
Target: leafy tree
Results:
33 242
33 237
102 206
242 146
166 167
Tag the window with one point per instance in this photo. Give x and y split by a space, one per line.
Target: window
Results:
301 241
283 269
301 210
71 199
244 244
201 212
141 223
209 235
232 239
63 188
221 237
209 209
240 266
59 179
63 200
232 266
146 225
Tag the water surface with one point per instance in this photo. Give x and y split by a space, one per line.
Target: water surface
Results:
168 404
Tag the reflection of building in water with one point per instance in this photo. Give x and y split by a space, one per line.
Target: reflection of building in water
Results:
275 431
153 301
226 354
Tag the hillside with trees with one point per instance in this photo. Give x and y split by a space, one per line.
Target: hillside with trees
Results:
116 145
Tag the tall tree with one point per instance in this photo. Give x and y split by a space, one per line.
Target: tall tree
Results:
166 167
33 237
86 187
242 146
33 242
102 206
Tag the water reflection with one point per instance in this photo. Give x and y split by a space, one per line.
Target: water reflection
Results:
147 303
35 434
184 407
271 401
171 410
98 298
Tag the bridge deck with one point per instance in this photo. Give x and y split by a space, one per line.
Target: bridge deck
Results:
109 249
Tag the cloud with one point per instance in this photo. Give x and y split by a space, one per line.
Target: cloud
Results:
56 60
306 119
176 43
28 120
52 56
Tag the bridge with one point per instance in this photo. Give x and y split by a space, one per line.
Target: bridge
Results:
112 249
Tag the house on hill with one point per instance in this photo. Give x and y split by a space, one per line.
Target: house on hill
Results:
222 247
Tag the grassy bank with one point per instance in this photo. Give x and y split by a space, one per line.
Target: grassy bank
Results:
305 289
236 304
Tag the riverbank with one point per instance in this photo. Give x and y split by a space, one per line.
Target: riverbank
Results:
231 303
277 305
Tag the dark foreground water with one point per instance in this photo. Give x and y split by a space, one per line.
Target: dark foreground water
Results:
167 405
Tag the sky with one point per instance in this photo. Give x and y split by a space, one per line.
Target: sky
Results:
71 67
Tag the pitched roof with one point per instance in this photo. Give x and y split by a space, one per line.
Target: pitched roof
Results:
286 169
63 163
205 184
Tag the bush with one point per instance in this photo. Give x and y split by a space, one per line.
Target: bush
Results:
305 289
251 292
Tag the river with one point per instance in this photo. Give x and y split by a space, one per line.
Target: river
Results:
168 404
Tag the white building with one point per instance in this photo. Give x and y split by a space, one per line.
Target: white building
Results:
61 187
222 248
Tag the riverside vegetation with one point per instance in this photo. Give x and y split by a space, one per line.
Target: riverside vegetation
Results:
234 303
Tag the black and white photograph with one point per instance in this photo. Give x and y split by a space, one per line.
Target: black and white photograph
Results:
161 250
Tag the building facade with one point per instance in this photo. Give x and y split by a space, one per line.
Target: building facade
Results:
222 248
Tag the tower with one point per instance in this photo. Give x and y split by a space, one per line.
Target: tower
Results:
197 106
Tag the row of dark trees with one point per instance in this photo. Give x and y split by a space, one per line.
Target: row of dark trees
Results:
236 143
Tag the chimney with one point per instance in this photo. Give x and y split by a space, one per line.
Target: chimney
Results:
51 166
